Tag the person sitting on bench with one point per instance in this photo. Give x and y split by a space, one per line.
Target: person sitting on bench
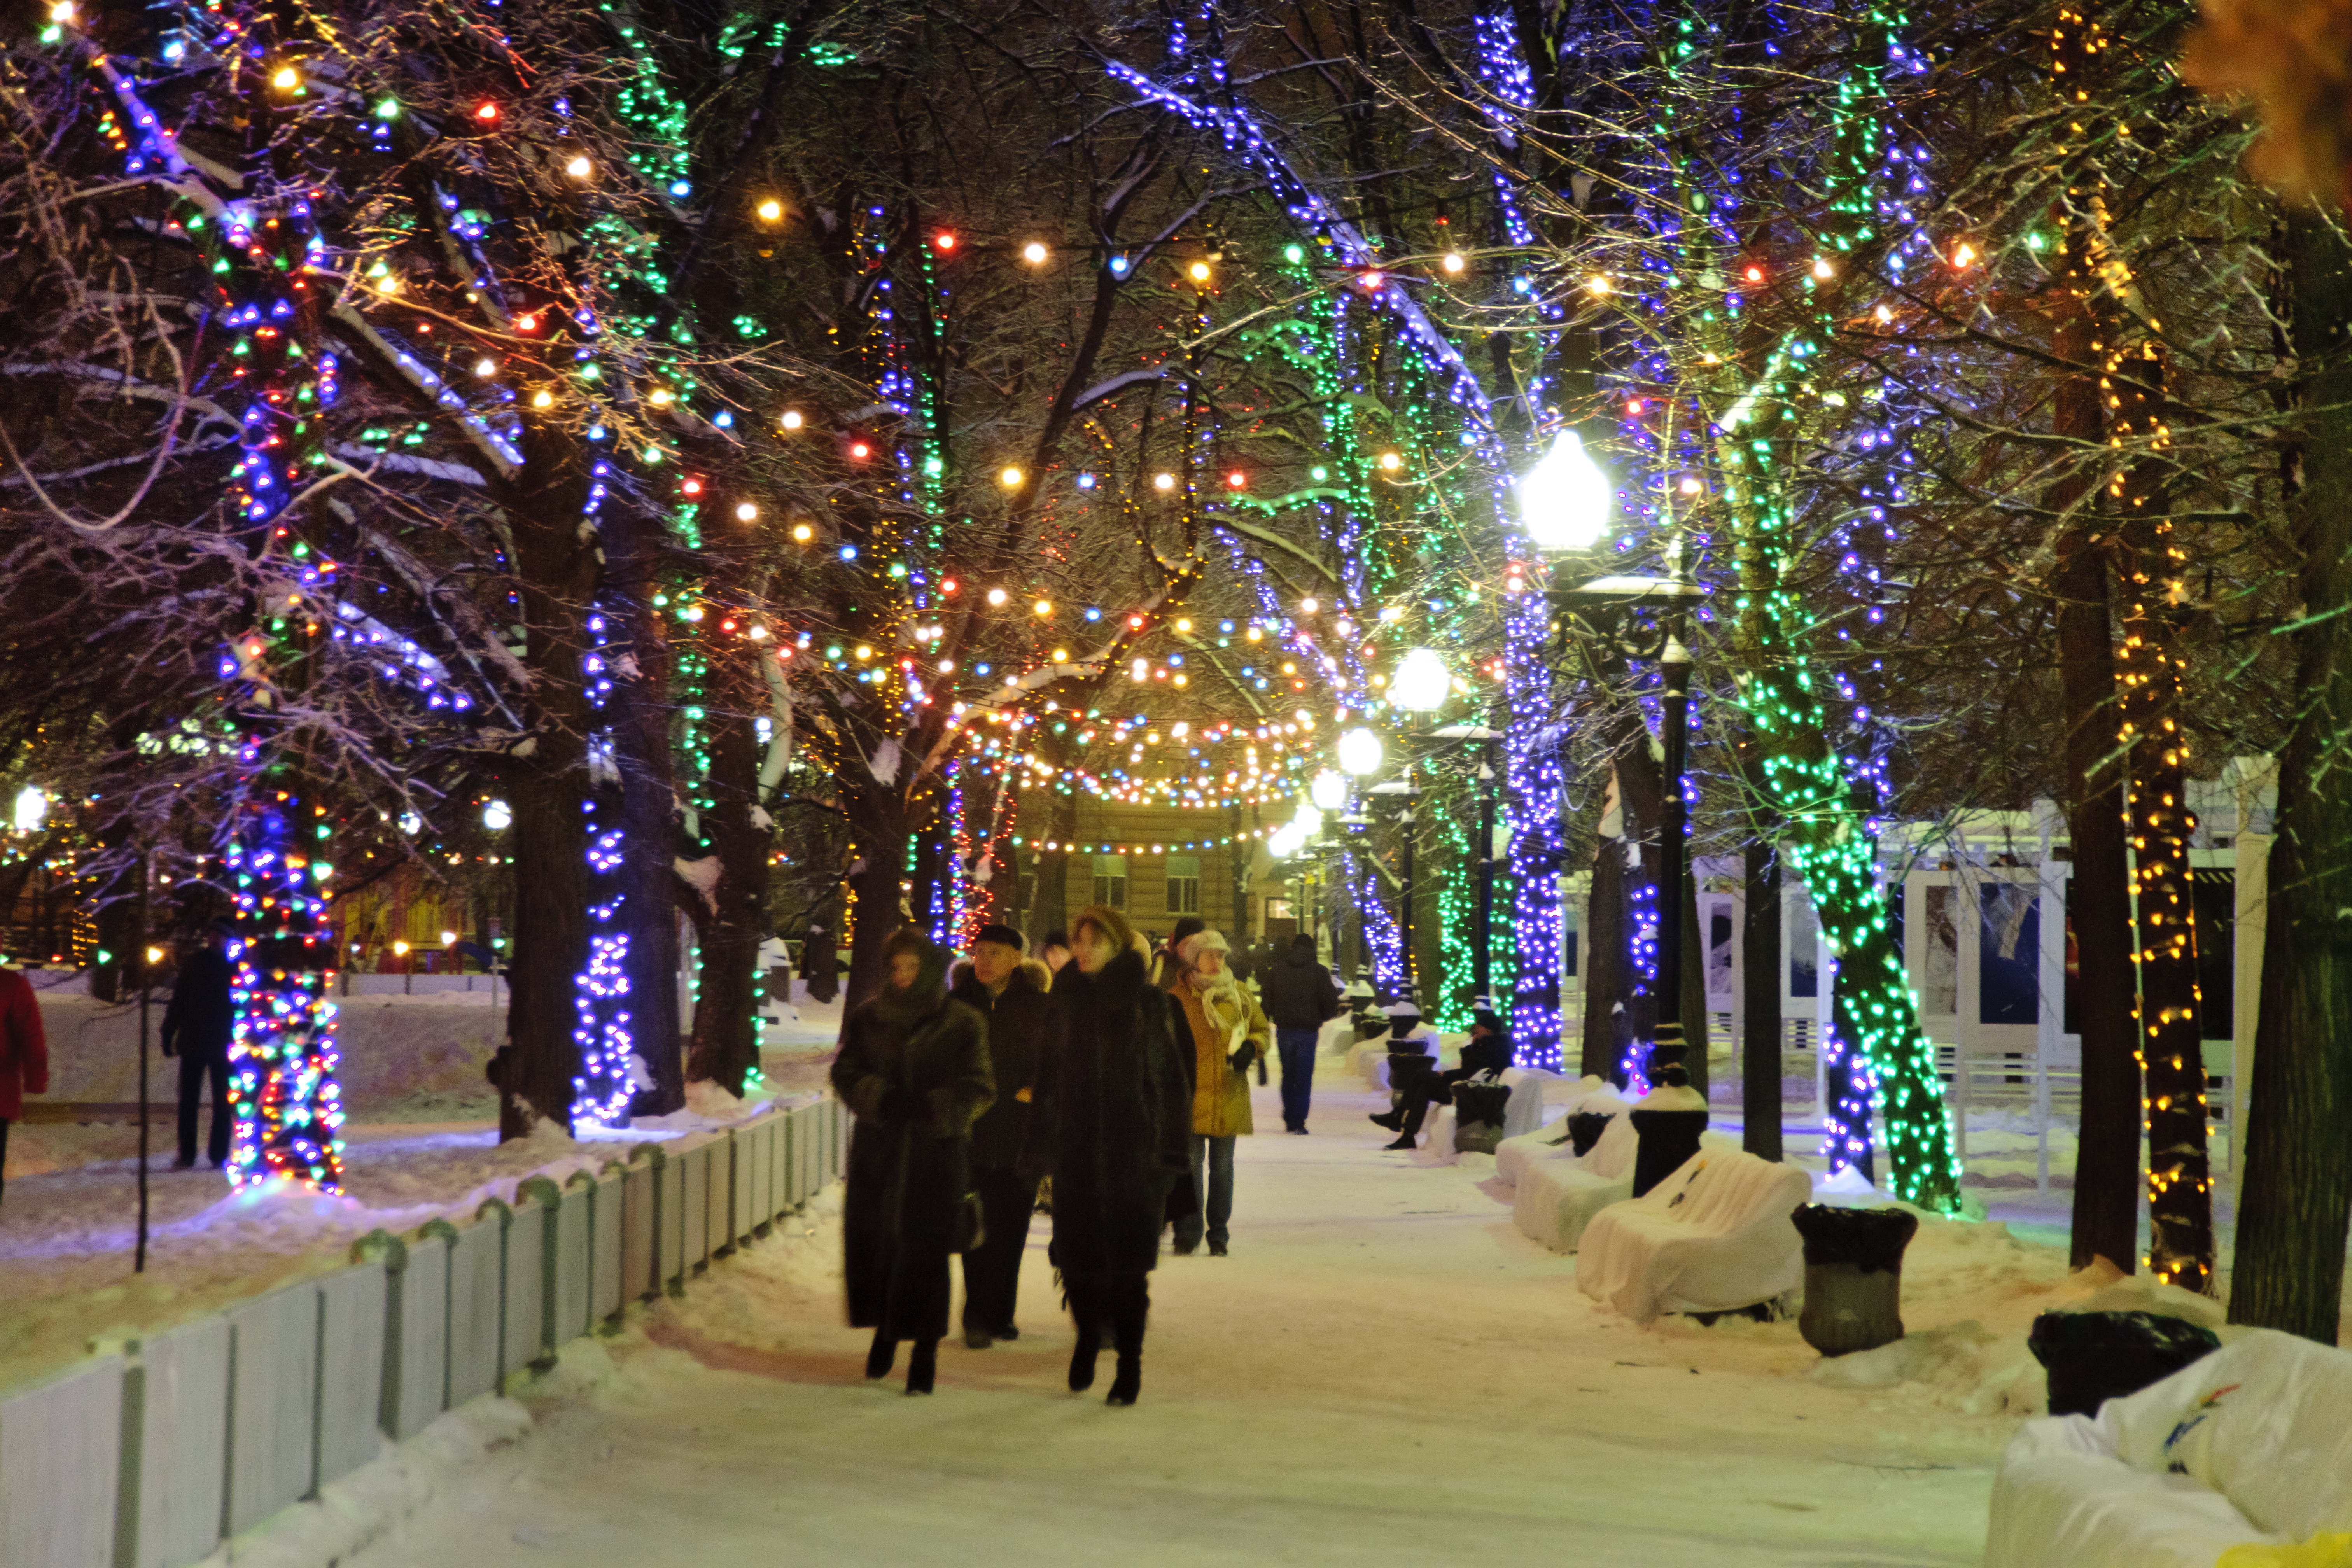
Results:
1487 1051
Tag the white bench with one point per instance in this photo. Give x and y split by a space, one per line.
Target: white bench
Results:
2248 1445
1518 1149
1713 1238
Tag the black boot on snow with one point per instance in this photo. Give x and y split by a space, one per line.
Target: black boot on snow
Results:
922 1366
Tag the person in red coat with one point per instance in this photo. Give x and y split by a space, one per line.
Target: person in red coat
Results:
24 1052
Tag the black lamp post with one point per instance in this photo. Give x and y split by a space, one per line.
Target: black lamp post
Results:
1672 1115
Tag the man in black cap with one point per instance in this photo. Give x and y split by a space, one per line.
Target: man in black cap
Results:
1009 991
197 1025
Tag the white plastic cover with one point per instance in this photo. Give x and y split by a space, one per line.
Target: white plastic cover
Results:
1714 1236
2249 1444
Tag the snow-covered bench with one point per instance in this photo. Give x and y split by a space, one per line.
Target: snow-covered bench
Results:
2250 1444
1518 1149
1713 1238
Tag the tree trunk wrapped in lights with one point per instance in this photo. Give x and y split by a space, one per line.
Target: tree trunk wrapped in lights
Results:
2147 665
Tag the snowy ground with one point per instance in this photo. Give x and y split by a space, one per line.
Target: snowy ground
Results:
1383 1368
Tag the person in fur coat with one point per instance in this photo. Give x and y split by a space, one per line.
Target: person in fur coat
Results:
1111 1113
1227 1032
914 1070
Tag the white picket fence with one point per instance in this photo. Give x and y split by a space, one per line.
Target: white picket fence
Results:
149 1452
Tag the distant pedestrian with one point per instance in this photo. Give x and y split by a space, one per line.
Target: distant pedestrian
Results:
914 1070
1300 997
1485 1054
1109 1124
1229 1032
24 1055
197 1024
1009 991
1055 950
820 964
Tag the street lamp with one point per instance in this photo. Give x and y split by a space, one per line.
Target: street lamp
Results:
497 816
1328 791
31 805
1422 682
1359 752
1566 502
1672 1115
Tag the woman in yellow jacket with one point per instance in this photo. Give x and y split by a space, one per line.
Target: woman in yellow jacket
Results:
1229 1032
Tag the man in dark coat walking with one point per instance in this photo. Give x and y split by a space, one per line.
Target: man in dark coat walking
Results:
197 1025
1009 991
914 1071
1112 1123
1300 996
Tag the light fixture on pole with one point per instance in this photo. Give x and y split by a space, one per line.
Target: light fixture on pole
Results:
32 806
1670 1119
1566 502
1328 791
1359 752
497 816
1422 682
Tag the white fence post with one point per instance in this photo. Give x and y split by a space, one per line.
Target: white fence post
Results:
572 1271
475 1263
177 1397
351 1309
415 1328
604 1247
525 1322
640 1198
61 1465
694 1164
273 1404
669 1221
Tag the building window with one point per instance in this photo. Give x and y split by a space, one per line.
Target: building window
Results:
1110 881
1183 884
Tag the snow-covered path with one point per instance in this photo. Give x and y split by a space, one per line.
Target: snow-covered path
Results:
1383 1368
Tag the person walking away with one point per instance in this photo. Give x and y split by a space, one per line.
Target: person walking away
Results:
1486 1052
1300 997
1009 991
1108 1125
914 1070
25 1056
820 964
1229 1032
197 1024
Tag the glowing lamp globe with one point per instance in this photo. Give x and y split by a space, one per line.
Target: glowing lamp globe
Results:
1422 681
1308 823
1287 840
497 816
1565 500
32 806
1360 752
1329 790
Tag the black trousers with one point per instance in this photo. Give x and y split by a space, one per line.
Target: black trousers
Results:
1429 1088
194 1071
992 1273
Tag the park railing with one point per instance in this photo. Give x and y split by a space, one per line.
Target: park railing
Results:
154 1449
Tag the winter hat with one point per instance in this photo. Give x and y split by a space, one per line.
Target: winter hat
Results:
1190 950
1004 935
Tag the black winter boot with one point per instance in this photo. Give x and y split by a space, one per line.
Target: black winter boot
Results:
878 1359
1086 1312
1403 1143
922 1365
1130 1307
1391 1119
